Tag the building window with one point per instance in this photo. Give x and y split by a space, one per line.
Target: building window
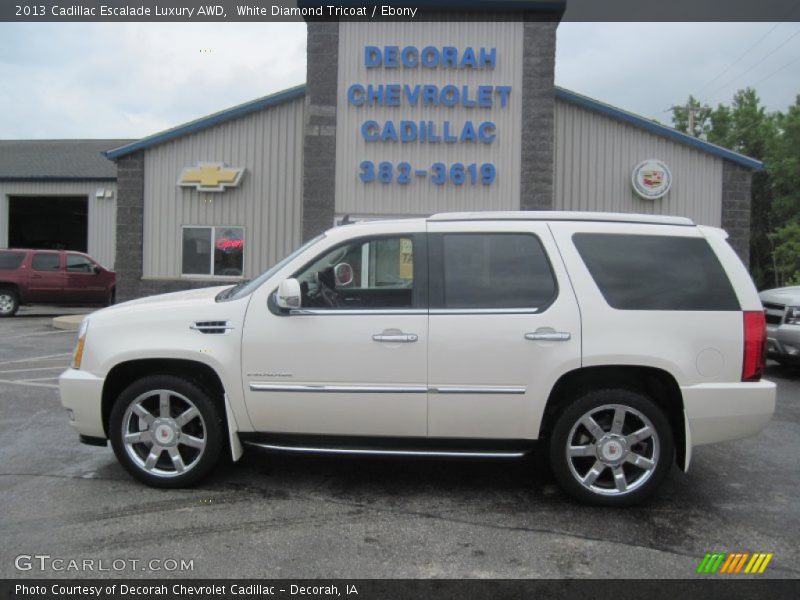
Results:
213 251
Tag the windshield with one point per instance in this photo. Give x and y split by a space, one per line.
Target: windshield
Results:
248 287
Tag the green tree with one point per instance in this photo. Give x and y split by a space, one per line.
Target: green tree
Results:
786 241
746 127
784 166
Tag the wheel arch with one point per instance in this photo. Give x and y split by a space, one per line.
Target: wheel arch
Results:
125 373
658 384
13 287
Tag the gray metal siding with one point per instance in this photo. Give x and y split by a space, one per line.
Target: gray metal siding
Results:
267 203
595 156
421 196
102 216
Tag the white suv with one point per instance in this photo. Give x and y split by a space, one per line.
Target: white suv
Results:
616 342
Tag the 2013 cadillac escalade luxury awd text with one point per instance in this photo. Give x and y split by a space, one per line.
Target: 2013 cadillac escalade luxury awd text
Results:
616 342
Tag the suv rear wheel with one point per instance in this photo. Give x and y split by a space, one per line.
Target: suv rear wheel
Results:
9 302
611 447
166 431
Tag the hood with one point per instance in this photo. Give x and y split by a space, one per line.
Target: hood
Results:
171 301
787 296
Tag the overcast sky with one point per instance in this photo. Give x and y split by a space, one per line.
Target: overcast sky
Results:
116 80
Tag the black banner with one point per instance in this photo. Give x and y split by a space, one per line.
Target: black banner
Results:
406 10
393 589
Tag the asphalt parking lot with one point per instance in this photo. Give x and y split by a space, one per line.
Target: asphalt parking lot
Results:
300 517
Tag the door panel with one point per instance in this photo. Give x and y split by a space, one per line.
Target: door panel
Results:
46 278
326 374
353 359
82 284
486 378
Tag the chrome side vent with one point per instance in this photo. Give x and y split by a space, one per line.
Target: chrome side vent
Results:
212 327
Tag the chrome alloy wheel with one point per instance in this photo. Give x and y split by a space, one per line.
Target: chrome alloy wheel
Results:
6 303
164 433
612 450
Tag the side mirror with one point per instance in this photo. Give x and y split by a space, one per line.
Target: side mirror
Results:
288 294
96 269
343 274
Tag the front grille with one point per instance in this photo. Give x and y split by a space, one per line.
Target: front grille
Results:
773 306
212 327
774 319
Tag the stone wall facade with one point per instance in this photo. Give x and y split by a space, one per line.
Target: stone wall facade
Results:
319 128
538 115
736 194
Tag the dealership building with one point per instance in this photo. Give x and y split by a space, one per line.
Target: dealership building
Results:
396 119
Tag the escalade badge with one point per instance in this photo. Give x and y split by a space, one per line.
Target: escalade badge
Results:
210 177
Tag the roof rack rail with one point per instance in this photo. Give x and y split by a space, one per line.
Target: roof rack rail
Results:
544 215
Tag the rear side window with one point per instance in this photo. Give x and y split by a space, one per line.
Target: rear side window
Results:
495 271
647 272
10 260
45 262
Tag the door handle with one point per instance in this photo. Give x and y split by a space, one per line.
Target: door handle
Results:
397 338
548 336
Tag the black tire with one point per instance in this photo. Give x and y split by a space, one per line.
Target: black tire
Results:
9 302
206 426
617 450
112 297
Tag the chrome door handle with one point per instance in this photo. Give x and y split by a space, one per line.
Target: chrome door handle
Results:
548 336
397 338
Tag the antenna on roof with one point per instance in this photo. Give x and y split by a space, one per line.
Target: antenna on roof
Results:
345 221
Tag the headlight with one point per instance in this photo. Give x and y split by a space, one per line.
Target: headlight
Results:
792 315
77 356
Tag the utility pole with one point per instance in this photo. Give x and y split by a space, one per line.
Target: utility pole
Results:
690 113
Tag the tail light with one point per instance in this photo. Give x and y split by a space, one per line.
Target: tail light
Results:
755 345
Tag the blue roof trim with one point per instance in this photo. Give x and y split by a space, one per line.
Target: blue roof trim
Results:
662 130
209 121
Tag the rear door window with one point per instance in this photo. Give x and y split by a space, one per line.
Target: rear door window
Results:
655 272
493 271
45 261
10 260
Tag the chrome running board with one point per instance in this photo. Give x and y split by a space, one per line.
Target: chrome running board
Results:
381 452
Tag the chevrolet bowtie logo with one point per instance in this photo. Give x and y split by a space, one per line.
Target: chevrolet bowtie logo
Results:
210 177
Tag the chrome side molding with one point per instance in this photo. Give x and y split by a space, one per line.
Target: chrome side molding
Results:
387 389
339 389
479 389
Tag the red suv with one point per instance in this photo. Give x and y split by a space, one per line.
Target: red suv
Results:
52 277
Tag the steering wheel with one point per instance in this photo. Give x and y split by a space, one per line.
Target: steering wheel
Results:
326 288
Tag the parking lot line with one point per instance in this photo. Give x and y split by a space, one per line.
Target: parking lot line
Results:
29 383
36 358
34 369
27 335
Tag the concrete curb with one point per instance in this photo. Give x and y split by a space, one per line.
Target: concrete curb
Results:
68 322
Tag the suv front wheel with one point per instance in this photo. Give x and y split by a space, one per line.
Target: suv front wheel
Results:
166 431
611 447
